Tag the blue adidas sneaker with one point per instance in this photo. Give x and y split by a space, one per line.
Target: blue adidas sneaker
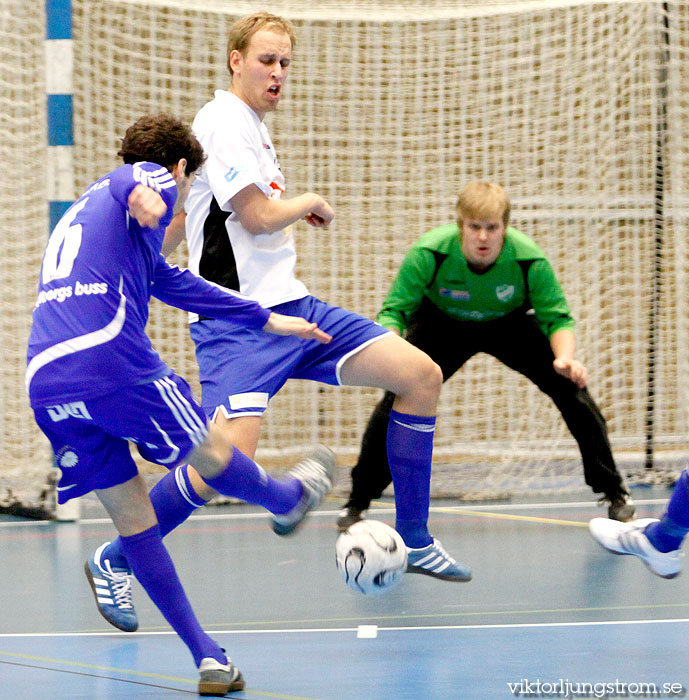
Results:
434 561
112 588
316 475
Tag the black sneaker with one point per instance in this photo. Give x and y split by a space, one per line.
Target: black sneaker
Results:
621 507
348 516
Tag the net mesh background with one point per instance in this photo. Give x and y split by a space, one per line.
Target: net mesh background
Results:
388 111
25 461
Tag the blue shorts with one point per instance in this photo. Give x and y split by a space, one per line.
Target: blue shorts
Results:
91 438
242 368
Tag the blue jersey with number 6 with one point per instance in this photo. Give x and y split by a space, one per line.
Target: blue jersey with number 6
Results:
99 270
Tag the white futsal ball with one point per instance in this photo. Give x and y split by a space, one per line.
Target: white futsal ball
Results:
371 557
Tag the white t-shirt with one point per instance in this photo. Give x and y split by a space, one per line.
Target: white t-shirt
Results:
239 153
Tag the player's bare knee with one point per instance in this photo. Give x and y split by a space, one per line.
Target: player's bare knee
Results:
202 489
430 376
424 381
209 459
210 468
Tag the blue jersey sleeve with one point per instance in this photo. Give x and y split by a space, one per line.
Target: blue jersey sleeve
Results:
127 177
185 290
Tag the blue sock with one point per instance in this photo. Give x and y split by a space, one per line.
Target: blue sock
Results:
174 500
668 534
410 450
243 478
155 571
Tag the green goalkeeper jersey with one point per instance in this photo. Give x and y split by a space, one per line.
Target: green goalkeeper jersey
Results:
435 269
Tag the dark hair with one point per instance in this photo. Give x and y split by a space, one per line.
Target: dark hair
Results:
162 139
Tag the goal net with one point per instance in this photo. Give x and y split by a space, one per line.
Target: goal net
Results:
25 462
578 108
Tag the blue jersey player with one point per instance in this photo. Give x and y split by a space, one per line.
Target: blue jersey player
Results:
96 384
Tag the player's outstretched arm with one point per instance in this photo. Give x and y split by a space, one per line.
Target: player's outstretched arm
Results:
295 325
146 206
185 290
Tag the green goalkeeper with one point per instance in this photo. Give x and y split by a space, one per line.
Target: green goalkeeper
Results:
480 285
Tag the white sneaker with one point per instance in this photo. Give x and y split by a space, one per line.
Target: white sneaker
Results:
316 473
216 679
629 538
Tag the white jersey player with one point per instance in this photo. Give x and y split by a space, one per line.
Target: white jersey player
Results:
239 229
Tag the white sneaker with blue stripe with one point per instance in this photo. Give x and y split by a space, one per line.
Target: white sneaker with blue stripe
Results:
112 588
434 561
629 538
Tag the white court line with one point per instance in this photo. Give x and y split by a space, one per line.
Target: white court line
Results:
371 511
318 630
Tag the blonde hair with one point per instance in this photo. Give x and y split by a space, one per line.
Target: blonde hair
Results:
243 29
483 200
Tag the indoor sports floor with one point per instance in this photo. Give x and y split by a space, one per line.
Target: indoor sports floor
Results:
547 605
